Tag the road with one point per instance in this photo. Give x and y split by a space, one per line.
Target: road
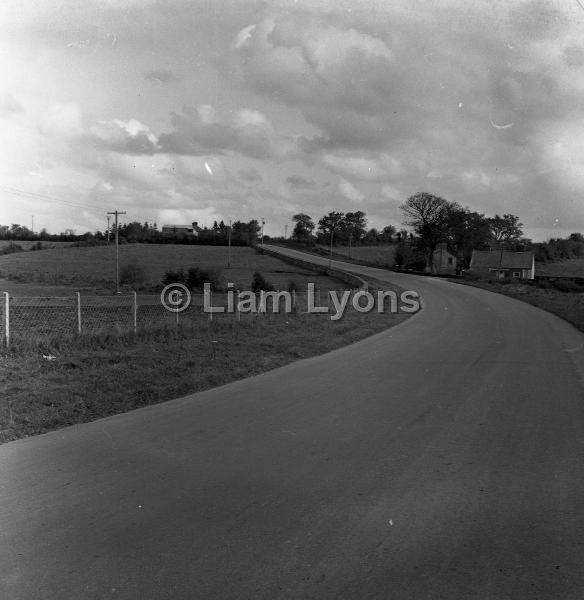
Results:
443 458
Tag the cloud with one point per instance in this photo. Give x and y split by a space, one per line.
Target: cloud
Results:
350 192
250 175
62 121
9 105
249 132
298 182
127 137
160 76
358 167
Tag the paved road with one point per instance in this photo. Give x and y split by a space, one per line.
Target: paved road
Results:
441 459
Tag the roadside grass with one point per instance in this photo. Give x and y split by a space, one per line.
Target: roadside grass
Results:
567 305
92 269
78 379
379 256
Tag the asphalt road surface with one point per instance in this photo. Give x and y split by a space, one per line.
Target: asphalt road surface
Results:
443 458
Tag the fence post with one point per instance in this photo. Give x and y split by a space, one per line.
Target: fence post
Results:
78 312
135 312
7 318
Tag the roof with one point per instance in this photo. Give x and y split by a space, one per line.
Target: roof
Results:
501 259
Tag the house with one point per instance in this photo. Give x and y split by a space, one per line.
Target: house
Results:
503 264
443 261
182 230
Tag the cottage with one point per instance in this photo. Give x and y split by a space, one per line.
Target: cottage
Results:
191 230
443 261
503 264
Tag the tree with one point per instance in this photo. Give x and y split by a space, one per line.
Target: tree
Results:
427 215
466 231
303 228
352 227
329 224
505 229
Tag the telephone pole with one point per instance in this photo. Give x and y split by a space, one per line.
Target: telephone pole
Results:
229 246
108 228
116 213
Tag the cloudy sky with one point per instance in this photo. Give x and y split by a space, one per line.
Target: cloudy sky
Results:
178 110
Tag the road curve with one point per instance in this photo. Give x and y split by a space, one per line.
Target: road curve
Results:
443 458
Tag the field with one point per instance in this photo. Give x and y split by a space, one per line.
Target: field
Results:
566 268
61 271
381 256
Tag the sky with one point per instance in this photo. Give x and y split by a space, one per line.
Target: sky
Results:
178 111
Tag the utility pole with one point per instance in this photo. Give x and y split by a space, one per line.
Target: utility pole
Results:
262 235
116 213
229 246
108 228
32 223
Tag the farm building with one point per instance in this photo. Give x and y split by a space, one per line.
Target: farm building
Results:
503 264
176 230
443 261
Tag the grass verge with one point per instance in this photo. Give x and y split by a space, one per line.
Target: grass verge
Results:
76 380
567 305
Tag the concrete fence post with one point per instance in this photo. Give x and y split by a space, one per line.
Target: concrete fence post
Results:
7 318
78 295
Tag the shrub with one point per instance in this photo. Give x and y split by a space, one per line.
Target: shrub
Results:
566 285
196 279
132 274
11 249
171 276
260 283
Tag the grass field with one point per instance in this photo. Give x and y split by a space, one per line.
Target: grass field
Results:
566 268
64 270
381 256
74 380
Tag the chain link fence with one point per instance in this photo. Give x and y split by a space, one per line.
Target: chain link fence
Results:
35 319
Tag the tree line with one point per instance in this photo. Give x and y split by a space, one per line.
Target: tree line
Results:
340 228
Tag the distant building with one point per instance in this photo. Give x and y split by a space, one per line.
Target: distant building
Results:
182 230
443 261
503 264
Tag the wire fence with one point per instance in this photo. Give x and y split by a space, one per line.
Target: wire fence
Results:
40 318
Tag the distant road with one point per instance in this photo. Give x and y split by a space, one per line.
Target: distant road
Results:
443 459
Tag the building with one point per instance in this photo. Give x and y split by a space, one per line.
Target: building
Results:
443 261
503 264
182 230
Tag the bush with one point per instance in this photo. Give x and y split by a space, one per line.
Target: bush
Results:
11 249
132 274
566 285
196 279
259 283
171 276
